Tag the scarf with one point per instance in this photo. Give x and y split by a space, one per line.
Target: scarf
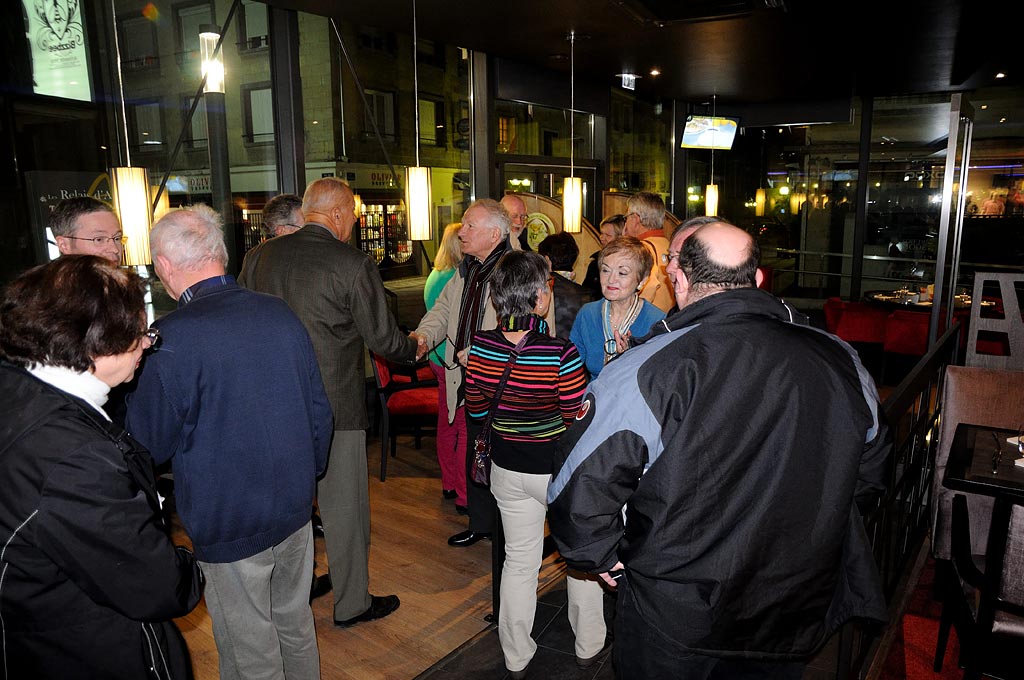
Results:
476 275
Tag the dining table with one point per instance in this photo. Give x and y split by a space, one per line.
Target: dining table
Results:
910 300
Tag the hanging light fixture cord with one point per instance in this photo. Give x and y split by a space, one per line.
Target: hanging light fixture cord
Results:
714 134
572 101
416 81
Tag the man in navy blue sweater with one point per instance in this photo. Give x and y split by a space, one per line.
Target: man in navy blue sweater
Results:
234 398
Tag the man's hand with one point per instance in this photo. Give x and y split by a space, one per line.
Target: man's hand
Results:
421 345
608 578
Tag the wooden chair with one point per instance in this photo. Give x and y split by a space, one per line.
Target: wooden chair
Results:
408 403
984 601
979 396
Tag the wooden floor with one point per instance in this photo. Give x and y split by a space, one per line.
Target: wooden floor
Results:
445 592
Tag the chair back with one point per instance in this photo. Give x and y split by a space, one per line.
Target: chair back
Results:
381 371
906 333
997 340
862 322
979 396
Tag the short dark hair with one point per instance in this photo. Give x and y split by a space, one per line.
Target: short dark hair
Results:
70 311
278 211
561 249
517 277
705 274
65 213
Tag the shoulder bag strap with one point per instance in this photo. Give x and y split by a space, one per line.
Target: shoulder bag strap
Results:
486 431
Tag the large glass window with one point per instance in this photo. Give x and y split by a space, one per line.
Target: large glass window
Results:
189 18
432 122
146 126
253 27
258 105
138 44
380 109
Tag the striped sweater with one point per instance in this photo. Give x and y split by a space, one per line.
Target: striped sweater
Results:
540 400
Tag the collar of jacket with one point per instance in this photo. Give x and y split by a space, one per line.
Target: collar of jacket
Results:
752 301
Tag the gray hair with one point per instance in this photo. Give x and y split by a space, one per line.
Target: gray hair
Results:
190 237
517 277
649 207
497 216
278 211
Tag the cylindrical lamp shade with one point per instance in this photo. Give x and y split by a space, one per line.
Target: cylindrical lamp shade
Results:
357 201
759 201
572 205
129 188
418 203
711 200
796 200
212 68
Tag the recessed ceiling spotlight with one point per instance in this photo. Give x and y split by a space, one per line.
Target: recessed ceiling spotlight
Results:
655 72
984 106
1000 75
1002 120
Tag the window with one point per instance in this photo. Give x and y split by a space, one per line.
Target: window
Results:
432 123
259 113
506 134
188 19
253 27
430 52
372 38
146 126
138 44
382 110
198 136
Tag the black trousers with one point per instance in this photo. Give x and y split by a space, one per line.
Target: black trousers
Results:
482 507
642 653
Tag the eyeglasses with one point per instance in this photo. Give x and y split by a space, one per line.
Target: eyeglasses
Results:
440 357
666 258
516 216
119 239
151 338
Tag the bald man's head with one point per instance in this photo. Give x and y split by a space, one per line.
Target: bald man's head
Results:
716 257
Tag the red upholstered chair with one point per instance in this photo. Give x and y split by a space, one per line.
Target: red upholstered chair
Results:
833 310
906 333
408 403
862 322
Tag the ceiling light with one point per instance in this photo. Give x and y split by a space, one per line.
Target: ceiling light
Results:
655 73
1000 75
417 179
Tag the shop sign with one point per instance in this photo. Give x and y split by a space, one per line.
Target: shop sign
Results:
56 37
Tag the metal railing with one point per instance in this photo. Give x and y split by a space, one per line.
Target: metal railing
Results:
901 520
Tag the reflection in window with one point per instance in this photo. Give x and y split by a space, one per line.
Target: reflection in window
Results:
198 136
381 108
189 18
373 38
147 129
259 113
138 44
432 123
253 28
506 134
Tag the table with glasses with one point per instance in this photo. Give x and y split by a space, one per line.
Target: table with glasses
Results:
903 298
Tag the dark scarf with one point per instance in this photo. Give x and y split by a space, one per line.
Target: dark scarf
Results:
476 275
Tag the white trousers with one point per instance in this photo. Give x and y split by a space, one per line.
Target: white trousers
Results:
522 502
259 606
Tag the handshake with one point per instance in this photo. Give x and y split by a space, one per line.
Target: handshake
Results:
421 345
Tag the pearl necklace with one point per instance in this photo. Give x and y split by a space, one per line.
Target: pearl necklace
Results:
610 348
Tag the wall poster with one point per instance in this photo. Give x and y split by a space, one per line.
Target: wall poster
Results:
60 59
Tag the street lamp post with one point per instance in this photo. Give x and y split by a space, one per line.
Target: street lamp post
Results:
217 130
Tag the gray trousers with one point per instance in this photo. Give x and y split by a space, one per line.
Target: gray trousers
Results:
262 622
344 499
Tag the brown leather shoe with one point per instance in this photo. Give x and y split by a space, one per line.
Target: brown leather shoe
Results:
379 608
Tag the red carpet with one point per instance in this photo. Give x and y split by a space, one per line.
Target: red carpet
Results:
913 650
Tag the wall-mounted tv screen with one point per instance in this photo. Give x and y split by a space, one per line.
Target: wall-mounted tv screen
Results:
709 132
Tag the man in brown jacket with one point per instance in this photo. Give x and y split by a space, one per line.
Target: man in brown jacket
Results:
336 290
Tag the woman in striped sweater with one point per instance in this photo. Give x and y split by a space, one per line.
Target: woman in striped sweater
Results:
539 401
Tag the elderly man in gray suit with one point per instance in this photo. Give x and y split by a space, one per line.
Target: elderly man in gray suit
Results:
336 290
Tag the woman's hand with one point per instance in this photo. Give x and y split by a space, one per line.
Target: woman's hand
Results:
463 357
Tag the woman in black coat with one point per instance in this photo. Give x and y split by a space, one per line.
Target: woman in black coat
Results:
90 579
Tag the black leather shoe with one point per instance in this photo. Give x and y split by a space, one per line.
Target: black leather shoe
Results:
321 586
449 493
461 509
518 675
464 539
379 608
587 663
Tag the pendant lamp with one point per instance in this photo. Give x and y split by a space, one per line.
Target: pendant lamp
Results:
417 179
129 189
711 190
572 190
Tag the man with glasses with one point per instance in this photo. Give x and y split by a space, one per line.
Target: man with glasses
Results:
728 516
463 307
87 226
247 428
282 215
516 208
645 218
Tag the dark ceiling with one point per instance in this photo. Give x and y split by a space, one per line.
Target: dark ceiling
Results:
747 52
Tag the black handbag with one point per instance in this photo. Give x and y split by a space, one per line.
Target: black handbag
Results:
481 472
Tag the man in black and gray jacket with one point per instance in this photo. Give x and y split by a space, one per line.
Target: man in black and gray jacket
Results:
739 444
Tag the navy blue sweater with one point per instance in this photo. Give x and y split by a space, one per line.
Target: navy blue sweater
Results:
233 397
